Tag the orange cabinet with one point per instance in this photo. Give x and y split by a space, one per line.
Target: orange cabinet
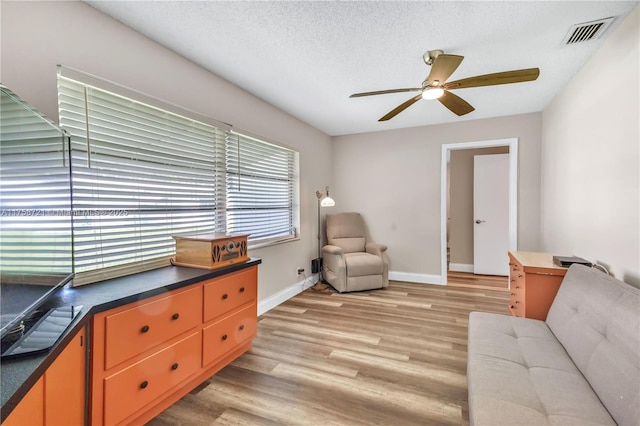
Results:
58 398
149 354
30 411
227 293
226 334
146 325
65 384
534 281
141 383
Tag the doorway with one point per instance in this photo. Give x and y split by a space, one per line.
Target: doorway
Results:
512 145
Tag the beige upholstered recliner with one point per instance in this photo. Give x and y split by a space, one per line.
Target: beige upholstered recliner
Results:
350 263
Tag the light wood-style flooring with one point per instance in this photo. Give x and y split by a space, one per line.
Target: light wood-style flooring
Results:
386 357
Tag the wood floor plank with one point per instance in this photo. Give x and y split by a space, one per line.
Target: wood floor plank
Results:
393 353
314 362
402 368
288 309
233 417
303 328
385 357
414 406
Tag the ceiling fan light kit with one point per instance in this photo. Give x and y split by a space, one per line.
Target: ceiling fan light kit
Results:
435 86
432 93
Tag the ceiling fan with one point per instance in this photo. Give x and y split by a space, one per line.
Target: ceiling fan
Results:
435 85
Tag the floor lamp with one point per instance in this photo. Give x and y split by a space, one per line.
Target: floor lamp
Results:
324 200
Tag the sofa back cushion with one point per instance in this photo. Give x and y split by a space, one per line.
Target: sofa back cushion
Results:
346 230
597 319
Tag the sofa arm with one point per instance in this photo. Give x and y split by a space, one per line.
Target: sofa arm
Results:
329 249
335 267
333 259
375 248
381 251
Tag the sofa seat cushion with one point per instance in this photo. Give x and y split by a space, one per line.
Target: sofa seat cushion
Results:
361 264
518 373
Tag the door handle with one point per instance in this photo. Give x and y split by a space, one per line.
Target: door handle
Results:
478 221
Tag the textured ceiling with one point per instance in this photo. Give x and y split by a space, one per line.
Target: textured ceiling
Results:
307 57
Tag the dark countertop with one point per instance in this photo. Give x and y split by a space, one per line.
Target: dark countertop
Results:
19 374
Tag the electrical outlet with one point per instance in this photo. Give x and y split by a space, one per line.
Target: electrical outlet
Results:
300 271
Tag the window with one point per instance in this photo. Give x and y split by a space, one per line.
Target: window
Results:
261 189
141 174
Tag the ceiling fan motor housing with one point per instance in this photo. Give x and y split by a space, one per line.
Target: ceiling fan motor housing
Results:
431 56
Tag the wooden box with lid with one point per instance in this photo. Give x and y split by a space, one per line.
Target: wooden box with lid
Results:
210 251
533 283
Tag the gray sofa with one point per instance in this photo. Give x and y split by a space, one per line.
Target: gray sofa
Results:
579 367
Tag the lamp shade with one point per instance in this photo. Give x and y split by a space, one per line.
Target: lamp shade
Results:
327 202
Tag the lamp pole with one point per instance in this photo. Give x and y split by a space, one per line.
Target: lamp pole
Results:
319 252
324 200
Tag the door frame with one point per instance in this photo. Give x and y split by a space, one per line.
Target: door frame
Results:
512 143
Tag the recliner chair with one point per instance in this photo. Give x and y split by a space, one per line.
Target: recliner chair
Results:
350 263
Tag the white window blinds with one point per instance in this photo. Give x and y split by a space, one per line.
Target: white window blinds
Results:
35 206
140 175
261 188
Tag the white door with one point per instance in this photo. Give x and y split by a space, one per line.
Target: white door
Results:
491 214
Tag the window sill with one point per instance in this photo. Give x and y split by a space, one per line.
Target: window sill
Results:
260 245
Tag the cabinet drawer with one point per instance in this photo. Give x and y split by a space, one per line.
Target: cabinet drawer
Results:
516 304
143 382
516 274
518 285
517 293
144 326
222 295
223 336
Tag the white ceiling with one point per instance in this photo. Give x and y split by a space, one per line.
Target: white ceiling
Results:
307 57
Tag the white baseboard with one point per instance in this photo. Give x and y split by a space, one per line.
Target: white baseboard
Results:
415 278
286 294
460 267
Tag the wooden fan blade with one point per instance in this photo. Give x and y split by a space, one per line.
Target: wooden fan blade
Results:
397 110
384 92
442 68
455 103
507 77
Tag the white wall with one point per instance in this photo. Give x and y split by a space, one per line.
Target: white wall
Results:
393 179
590 159
36 36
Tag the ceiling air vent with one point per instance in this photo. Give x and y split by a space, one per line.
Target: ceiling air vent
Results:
586 31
